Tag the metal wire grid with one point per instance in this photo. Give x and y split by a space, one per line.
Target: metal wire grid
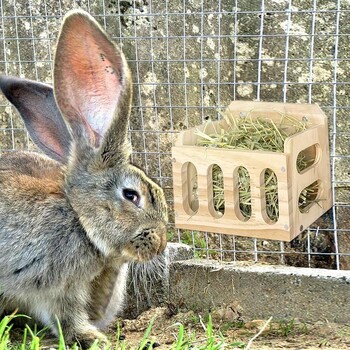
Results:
167 47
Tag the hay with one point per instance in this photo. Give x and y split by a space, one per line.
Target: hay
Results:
256 134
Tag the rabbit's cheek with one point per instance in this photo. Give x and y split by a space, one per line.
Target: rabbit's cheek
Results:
163 242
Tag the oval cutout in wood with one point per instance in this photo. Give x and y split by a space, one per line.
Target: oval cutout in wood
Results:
307 157
217 177
190 188
271 194
309 196
244 192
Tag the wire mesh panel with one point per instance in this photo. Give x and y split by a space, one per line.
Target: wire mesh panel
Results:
189 59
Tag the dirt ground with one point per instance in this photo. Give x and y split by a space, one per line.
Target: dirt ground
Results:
288 334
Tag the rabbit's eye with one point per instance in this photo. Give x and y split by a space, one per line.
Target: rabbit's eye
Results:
132 196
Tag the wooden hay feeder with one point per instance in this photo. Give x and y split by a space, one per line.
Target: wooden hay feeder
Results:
193 180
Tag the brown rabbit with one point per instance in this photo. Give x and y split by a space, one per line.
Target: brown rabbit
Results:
72 219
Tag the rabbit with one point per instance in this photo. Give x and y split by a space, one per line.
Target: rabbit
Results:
73 218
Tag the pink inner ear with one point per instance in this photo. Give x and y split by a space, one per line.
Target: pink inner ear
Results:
89 73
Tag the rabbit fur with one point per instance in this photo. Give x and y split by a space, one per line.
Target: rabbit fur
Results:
73 218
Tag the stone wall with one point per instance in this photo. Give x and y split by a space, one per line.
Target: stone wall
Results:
191 58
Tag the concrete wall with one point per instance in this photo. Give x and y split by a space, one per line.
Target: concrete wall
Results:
239 291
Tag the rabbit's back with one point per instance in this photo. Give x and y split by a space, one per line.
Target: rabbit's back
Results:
41 238
31 172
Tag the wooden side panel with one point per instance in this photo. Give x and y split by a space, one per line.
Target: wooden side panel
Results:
319 171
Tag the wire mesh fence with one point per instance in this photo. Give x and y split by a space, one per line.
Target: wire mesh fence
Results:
189 59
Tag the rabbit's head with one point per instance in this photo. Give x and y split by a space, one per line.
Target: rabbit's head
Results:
83 124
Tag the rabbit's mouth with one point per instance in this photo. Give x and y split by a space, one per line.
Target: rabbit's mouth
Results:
146 245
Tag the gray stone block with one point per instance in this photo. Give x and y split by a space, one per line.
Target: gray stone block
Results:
254 291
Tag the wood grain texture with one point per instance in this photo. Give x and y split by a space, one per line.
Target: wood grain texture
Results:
192 167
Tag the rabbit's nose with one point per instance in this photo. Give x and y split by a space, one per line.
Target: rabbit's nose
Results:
147 232
157 235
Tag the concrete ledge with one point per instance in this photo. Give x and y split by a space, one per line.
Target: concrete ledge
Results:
255 291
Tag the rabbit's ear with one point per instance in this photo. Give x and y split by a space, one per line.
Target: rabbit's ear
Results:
37 106
92 84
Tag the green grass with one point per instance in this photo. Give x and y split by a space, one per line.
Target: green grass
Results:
286 328
34 340
198 242
212 340
204 336
5 332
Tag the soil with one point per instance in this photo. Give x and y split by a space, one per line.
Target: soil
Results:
287 334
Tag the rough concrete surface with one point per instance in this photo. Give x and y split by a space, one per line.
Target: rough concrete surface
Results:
250 291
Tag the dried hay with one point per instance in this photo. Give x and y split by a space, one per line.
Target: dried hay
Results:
256 134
